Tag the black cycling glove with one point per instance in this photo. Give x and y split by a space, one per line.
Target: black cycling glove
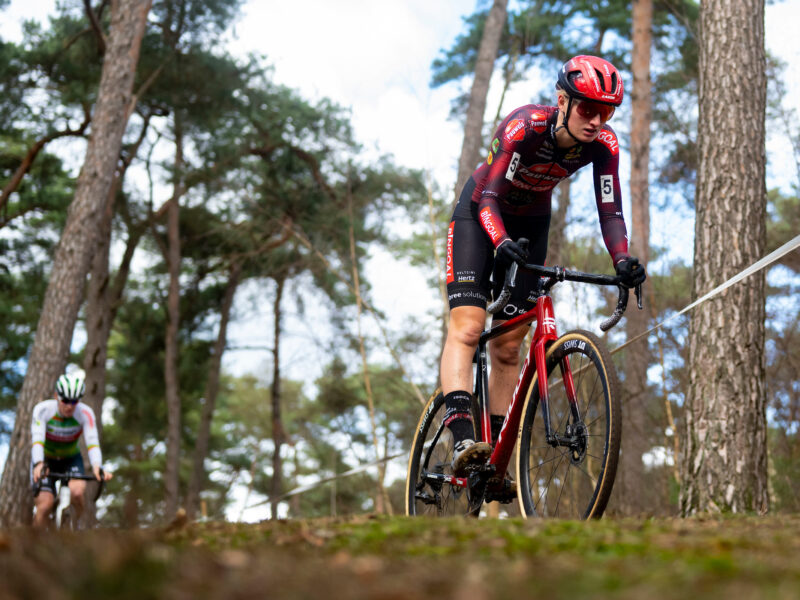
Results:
631 272
511 252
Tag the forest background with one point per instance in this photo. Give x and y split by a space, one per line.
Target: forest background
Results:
326 423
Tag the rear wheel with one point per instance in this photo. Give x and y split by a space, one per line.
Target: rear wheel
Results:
571 475
428 491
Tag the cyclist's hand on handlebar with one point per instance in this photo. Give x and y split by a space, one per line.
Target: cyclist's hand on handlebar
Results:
630 272
511 252
100 474
37 471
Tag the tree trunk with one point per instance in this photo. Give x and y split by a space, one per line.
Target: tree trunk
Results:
130 506
198 477
73 254
484 65
278 437
633 491
724 466
381 506
171 350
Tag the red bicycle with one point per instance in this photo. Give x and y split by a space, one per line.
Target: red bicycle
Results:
568 427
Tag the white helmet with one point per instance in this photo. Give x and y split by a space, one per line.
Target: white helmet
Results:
70 388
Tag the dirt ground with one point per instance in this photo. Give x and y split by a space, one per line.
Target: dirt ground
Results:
397 558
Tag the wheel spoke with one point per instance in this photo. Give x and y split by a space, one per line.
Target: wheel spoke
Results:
432 453
549 489
561 491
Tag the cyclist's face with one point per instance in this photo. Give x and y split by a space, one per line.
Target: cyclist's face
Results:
66 408
586 118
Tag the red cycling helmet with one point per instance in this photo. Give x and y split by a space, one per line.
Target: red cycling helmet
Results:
591 78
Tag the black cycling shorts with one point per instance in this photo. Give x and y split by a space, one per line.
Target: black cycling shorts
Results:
72 465
470 255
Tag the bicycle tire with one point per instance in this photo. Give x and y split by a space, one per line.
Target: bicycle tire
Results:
571 481
432 452
65 522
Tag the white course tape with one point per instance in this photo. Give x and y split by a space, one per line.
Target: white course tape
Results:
755 267
319 482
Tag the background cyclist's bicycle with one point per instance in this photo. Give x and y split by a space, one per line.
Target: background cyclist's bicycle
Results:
62 516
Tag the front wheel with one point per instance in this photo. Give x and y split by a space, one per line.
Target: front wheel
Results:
430 487
571 474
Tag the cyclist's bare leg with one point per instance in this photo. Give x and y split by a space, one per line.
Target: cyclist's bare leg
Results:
466 325
504 355
76 489
44 502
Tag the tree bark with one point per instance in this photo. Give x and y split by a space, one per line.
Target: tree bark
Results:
171 350
73 254
633 493
724 466
198 477
278 436
484 65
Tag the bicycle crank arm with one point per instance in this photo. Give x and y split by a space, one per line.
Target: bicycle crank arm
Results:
441 478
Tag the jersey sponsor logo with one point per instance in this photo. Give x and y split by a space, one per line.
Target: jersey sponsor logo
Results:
488 222
495 145
449 260
607 188
541 177
515 130
538 121
512 166
574 152
609 140
489 158
89 418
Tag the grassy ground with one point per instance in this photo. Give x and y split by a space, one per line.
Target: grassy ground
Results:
396 558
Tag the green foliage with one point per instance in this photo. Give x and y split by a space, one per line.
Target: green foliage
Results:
783 224
784 456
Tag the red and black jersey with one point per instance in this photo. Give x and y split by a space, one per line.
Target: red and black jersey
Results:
525 164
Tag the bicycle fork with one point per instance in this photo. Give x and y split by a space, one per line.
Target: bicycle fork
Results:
574 436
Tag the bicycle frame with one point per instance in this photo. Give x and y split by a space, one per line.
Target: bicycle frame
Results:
544 334
63 495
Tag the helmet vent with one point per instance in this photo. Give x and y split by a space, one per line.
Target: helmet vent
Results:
600 78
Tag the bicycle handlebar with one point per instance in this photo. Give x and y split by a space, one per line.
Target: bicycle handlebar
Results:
68 476
557 274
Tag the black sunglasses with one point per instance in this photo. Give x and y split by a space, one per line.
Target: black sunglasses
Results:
65 401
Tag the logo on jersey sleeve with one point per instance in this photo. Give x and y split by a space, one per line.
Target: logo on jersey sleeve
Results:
538 121
488 222
515 130
495 145
89 417
489 158
449 268
609 140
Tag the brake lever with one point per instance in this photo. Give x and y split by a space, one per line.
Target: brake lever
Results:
638 291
